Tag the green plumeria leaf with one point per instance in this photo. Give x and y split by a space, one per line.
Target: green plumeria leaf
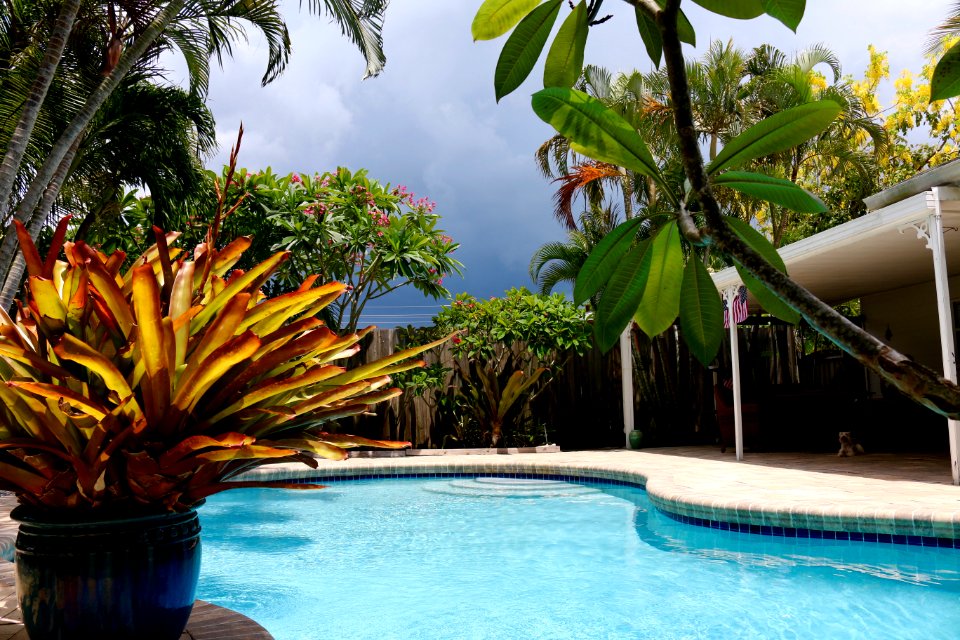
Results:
604 259
565 58
789 12
523 47
596 131
701 313
775 190
777 133
650 36
946 76
767 299
661 296
622 295
740 9
684 28
495 17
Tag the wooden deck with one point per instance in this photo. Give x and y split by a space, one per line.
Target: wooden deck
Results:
207 622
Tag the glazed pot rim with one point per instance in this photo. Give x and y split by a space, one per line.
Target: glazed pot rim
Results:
29 514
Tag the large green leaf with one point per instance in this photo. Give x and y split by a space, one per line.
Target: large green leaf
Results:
661 296
495 17
946 76
604 259
789 12
650 35
622 295
565 58
595 131
523 47
767 299
779 132
701 314
740 9
775 190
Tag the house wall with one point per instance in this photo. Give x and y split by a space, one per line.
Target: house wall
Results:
909 316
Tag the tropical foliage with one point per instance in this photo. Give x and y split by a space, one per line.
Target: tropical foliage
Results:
153 387
372 237
507 349
69 58
653 281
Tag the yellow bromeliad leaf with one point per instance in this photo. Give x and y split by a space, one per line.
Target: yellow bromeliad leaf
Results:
47 304
151 342
249 280
69 348
271 387
375 368
348 442
181 297
111 296
223 328
274 313
225 258
313 445
195 383
75 400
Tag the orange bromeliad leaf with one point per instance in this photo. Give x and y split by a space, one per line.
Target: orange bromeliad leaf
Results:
347 441
250 279
194 444
29 250
55 245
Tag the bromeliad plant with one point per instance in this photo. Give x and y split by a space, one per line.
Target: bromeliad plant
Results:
152 389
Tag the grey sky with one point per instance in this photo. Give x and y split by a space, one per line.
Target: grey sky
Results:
430 120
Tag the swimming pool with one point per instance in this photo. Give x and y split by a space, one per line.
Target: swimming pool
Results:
504 558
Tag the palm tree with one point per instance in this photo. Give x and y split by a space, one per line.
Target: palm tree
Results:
849 146
136 34
557 262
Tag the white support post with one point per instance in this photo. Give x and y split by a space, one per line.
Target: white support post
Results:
931 230
626 377
945 314
731 294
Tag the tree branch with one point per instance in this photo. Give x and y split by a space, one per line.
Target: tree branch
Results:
911 378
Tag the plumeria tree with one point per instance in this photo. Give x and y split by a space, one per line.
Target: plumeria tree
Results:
374 238
654 281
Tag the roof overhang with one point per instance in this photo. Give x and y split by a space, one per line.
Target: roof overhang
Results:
879 251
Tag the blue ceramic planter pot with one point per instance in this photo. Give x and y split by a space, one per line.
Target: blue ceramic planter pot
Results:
123 579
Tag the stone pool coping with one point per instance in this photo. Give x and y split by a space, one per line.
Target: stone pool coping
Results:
763 499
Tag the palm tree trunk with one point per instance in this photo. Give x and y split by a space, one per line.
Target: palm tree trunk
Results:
31 107
626 184
26 211
15 275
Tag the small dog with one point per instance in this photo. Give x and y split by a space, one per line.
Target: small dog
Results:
848 446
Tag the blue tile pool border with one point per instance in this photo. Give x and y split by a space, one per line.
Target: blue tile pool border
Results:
816 534
722 525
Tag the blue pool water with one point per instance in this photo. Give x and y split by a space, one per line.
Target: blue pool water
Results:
497 558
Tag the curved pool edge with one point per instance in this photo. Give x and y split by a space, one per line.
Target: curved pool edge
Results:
719 494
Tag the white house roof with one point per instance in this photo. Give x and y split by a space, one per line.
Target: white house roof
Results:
879 251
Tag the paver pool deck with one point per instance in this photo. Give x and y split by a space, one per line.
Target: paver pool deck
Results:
889 497
884 494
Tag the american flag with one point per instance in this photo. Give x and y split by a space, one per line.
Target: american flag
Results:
740 311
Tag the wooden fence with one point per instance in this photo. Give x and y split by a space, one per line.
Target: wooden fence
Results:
582 404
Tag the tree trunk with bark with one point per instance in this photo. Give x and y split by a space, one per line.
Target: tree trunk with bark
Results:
911 378
27 211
